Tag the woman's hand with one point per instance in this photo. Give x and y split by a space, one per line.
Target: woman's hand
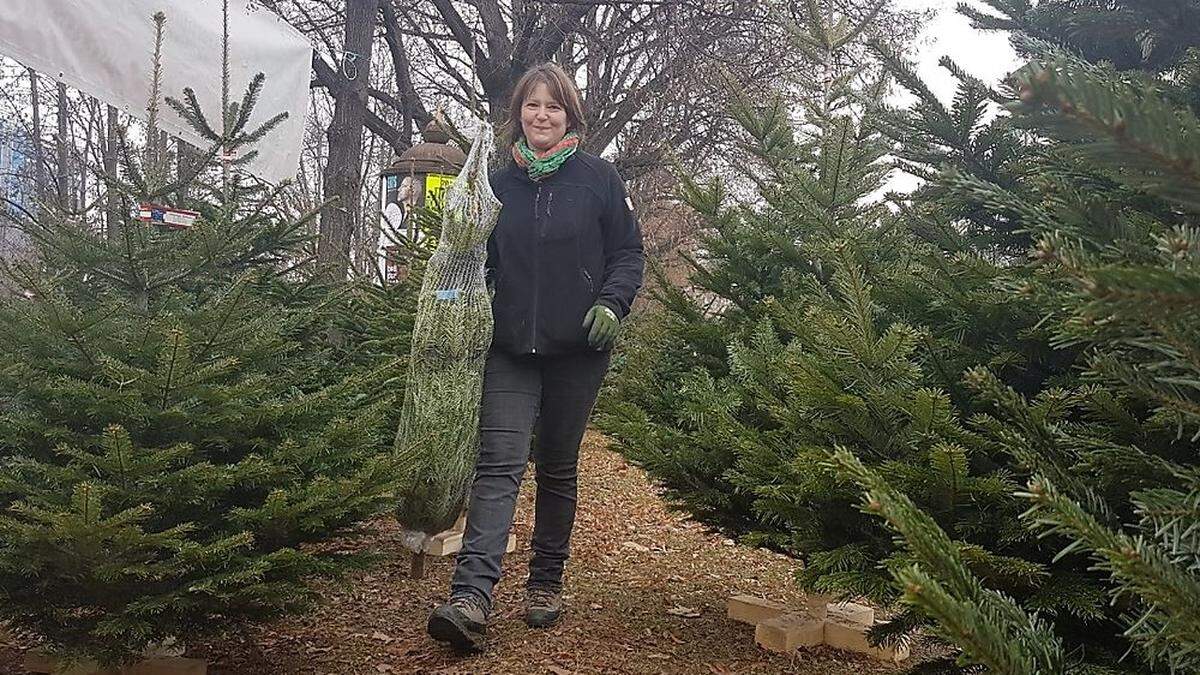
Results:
604 326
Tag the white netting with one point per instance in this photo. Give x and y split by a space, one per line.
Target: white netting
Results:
438 439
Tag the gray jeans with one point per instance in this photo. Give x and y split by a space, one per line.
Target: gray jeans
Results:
555 393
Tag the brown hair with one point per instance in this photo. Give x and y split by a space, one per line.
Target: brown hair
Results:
561 87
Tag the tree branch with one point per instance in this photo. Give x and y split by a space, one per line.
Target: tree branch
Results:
330 79
411 108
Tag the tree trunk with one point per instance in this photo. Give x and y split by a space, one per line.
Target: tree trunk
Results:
343 181
62 169
367 244
39 159
188 161
112 211
93 124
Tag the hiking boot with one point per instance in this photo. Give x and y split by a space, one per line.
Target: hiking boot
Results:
543 606
461 622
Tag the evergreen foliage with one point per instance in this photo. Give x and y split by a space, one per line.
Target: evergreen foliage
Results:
828 319
1109 201
1019 328
174 450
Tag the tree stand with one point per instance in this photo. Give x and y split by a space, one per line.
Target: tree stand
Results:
446 543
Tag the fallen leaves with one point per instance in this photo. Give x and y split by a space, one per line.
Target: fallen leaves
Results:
650 587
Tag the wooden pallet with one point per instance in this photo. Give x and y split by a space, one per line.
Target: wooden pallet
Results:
445 543
843 626
37 662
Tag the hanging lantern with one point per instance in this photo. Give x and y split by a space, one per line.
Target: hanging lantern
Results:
417 178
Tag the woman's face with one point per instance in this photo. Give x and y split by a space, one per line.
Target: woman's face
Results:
543 119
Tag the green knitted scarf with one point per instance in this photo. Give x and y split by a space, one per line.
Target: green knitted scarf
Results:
542 164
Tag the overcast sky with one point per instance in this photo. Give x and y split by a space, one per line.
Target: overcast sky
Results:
987 56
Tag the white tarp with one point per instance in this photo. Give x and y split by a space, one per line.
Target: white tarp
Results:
104 48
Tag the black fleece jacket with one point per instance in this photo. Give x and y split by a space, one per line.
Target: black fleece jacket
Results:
560 246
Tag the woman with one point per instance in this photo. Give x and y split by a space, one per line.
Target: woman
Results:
565 262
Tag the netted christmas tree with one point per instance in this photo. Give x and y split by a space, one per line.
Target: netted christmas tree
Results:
438 438
174 450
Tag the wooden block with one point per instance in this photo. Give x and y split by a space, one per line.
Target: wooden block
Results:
37 662
852 614
460 525
168 665
752 610
853 638
788 632
818 605
450 542
444 543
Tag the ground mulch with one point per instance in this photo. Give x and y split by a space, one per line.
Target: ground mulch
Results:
646 589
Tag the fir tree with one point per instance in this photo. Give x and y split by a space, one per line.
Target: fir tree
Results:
1109 202
826 320
826 324
174 449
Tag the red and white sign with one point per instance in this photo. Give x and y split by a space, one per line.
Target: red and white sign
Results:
175 219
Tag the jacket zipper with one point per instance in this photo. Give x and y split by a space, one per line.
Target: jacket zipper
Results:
537 265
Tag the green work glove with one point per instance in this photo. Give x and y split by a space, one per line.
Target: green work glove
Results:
604 326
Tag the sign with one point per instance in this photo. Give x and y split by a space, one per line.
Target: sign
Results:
436 185
173 219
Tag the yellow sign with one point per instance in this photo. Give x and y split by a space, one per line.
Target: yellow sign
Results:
436 185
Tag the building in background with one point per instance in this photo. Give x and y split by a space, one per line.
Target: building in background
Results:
16 189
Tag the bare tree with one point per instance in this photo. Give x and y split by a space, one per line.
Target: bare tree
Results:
36 135
62 169
112 211
630 56
656 74
342 177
